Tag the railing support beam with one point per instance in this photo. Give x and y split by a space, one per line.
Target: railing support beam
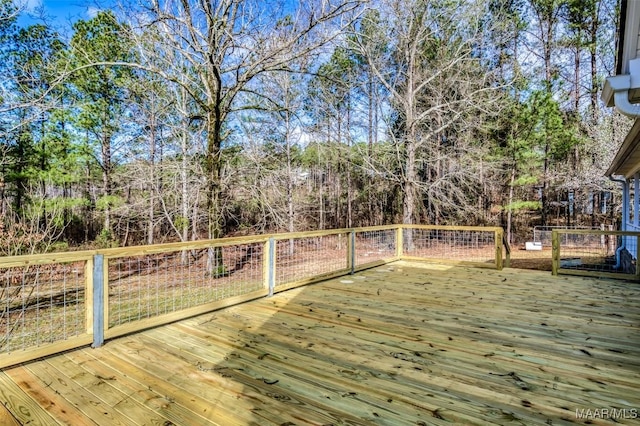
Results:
270 261
498 242
555 252
399 242
351 252
98 300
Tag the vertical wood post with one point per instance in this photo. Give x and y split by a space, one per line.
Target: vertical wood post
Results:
351 252
555 252
399 242
266 254
269 264
105 292
498 244
98 300
88 294
507 250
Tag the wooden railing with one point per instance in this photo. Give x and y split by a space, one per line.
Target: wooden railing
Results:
593 253
54 302
507 250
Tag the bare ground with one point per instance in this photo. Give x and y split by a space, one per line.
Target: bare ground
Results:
539 260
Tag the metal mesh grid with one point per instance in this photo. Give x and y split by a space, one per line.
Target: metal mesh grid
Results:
580 240
151 285
372 246
461 245
598 252
41 304
542 234
300 258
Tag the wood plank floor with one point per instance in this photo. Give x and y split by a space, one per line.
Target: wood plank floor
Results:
402 344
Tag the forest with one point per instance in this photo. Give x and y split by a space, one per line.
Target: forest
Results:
178 120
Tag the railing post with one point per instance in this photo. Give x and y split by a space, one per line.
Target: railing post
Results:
97 304
351 252
88 294
507 250
270 261
399 242
555 252
498 244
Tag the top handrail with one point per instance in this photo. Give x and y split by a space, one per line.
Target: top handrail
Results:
595 232
46 258
452 227
71 256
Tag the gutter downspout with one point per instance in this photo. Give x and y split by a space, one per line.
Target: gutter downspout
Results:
615 91
624 106
625 216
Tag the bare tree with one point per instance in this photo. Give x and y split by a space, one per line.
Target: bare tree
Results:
40 225
226 44
436 85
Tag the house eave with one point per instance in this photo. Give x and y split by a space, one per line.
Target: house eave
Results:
627 160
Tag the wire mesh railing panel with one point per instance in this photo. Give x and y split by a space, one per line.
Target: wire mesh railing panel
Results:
306 257
43 299
372 246
597 252
147 286
542 234
450 245
41 304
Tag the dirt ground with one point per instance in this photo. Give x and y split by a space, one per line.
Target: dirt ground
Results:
534 259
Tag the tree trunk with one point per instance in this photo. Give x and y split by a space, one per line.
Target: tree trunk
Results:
290 209
370 108
595 83
43 168
3 202
512 181
213 166
89 209
106 183
409 199
547 15
348 165
152 178
545 187
184 199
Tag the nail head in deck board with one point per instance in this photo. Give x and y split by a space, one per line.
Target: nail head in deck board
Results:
330 368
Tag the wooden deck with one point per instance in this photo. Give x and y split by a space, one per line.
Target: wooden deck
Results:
400 344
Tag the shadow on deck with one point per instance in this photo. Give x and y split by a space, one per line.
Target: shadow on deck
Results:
398 344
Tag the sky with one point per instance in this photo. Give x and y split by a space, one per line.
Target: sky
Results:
60 13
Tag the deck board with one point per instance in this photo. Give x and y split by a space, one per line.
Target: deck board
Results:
398 344
24 401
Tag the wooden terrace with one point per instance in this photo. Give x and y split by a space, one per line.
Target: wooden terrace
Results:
399 344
